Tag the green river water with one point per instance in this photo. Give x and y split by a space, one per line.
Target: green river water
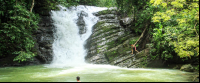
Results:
90 73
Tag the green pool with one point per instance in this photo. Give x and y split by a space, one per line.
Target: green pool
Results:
90 73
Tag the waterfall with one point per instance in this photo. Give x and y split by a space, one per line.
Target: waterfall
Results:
68 46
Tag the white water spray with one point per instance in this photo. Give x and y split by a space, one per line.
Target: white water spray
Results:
68 46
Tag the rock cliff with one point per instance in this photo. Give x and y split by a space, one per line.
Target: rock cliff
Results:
44 37
110 42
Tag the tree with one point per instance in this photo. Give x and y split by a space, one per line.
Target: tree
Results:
177 27
16 31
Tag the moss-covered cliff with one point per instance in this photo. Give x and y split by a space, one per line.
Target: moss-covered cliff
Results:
111 40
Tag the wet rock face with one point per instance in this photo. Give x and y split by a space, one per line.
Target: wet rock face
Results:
81 22
44 37
110 43
107 39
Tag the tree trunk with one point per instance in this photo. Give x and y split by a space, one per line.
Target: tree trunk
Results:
31 10
141 35
32 6
16 2
16 5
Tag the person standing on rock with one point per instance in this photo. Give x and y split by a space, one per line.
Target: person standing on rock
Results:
132 47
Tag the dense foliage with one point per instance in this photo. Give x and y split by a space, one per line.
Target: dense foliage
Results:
17 24
141 10
173 24
177 28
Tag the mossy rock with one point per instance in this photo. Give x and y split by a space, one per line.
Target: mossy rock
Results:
123 50
142 53
187 68
111 55
105 12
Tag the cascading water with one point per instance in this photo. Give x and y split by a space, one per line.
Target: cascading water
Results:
68 46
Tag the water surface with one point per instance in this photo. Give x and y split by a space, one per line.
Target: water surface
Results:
90 73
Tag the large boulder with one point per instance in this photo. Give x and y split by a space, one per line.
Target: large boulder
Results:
187 68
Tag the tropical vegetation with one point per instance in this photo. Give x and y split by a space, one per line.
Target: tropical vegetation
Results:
172 24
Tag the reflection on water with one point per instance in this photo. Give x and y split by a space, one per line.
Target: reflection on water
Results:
90 73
